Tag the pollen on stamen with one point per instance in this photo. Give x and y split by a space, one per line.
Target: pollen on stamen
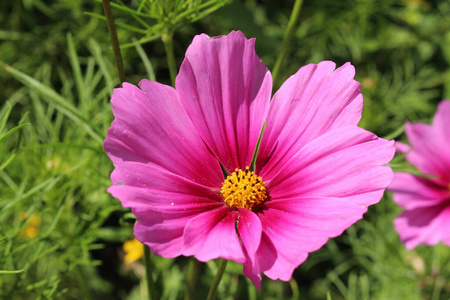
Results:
243 189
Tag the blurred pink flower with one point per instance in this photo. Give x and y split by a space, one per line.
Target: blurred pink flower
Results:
315 175
426 200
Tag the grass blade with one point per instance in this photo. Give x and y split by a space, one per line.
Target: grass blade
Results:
54 98
74 62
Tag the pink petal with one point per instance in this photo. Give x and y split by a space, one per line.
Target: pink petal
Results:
426 219
299 226
344 162
138 184
402 147
163 236
310 103
163 203
424 225
263 260
429 154
411 191
213 234
441 120
151 126
249 229
225 89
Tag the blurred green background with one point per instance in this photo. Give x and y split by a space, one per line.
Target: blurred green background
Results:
62 235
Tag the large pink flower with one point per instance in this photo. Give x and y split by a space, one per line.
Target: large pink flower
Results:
315 175
426 200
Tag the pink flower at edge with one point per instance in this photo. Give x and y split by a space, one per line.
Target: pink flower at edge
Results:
320 170
426 200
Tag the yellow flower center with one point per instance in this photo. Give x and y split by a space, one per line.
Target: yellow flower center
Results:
243 189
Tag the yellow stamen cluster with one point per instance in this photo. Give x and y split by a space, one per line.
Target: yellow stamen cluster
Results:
243 189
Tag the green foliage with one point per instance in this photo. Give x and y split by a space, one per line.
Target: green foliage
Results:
153 18
57 181
61 233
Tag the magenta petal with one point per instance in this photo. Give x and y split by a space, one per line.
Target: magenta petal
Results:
310 103
344 162
213 234
412 191
138 184
163 236
426 219
424 225
299 226
429 154
163 203
263 260
151 126
250 230
225 89
442 121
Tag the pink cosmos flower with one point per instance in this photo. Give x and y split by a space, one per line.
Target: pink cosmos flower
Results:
315 175
426 200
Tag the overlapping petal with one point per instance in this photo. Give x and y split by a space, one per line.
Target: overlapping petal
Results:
428 147
250 232
321 171
163 203
320 191
344 162
411 191
430 144
226 90
424 225
150 125
212 235
315 100
426 200
311 222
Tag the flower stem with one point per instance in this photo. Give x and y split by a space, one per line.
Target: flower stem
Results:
167 39
217 278
287 37
194 269
148 274
114 39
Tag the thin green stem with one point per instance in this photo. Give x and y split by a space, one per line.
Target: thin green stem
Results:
287 38
114 40
194 270
167 39
148 274
217 278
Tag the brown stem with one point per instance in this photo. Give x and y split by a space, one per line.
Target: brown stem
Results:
114 39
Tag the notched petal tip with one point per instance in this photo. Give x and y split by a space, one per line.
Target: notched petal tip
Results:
226 95
204 38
